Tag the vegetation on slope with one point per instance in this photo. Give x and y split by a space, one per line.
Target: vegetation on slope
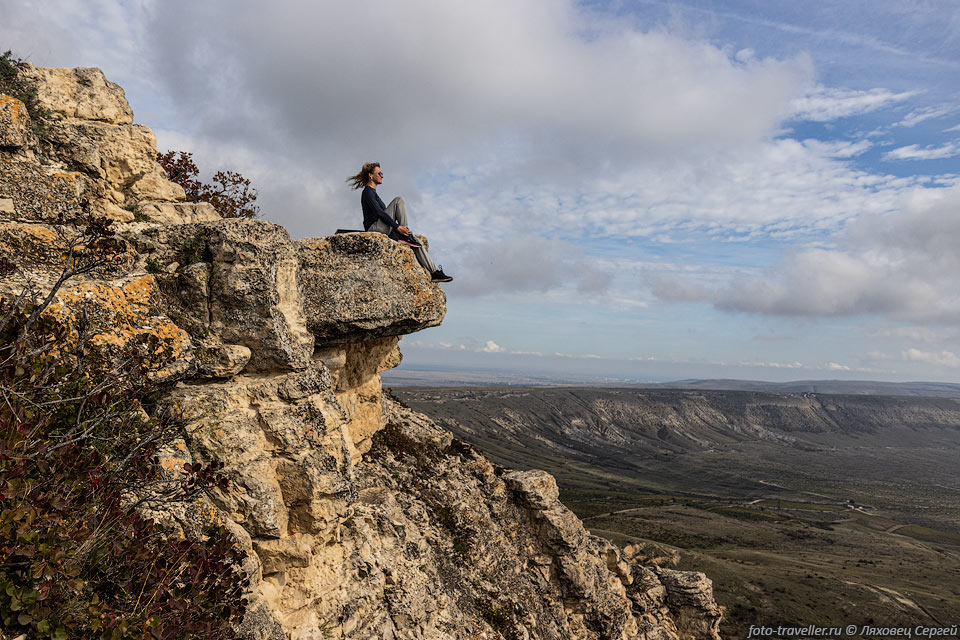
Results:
77 461
13 84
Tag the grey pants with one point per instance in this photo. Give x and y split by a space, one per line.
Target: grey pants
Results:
397 209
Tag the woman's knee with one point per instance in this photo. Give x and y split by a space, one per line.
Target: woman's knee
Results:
397 200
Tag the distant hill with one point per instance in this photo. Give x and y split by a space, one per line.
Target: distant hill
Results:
846 387
738 443
460 377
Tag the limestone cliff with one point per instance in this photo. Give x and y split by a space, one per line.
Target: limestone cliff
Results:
362 518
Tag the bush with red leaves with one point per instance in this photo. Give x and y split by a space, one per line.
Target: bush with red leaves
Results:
230 194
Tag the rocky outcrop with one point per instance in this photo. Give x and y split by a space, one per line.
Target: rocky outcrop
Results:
91 156
362 518
80 94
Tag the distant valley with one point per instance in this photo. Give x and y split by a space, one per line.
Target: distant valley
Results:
803 507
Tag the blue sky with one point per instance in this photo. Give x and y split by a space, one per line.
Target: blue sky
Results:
647 190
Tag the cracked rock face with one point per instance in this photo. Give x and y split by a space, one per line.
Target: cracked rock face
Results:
361 518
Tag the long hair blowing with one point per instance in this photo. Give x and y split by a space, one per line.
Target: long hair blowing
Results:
360 180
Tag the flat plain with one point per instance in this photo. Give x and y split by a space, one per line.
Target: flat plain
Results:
801 507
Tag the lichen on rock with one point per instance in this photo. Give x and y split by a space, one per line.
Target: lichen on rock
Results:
14 122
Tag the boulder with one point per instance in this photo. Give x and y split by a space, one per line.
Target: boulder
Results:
362 285
538 489
83 93
219 360
689 597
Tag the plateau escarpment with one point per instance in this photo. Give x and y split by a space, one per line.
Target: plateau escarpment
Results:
839 508
360 517
723 443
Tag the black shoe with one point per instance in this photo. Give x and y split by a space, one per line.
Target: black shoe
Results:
410 240
440 276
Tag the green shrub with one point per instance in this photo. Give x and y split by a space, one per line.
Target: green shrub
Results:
499 616
195 249
154 266
138 214
12 83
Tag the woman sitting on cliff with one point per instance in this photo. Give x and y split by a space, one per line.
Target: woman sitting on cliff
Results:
390 219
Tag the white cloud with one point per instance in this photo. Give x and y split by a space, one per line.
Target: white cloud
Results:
823 282
833 366
901 265
926 335
520 263
491 347
779 188
939 358
339 80
956 128
823 104
772 365
877 356
838 148
917 116
914 152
